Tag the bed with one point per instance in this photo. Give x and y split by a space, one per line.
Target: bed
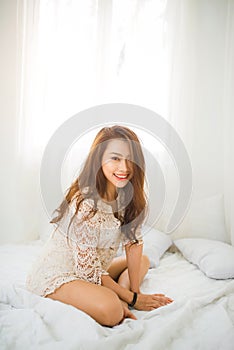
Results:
201 316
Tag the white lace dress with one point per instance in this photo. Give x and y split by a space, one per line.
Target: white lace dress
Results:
87 254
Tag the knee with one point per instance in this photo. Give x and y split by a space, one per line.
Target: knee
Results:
111 311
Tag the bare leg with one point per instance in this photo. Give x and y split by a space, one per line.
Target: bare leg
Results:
97 301
119 272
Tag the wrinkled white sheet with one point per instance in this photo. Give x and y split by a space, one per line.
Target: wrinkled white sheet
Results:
201 317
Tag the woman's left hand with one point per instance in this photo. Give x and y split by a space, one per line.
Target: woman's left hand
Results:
127 312
148 302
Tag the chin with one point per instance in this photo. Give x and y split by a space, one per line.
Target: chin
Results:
121 184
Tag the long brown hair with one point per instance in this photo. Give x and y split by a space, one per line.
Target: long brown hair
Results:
91 183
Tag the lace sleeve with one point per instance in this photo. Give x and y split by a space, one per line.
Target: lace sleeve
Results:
84 238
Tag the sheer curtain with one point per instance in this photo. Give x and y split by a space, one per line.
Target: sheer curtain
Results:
201 52
73 55
228 108
174 57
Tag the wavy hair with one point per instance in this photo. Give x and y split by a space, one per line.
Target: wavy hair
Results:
91 183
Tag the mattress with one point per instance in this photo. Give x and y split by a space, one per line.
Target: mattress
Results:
201 316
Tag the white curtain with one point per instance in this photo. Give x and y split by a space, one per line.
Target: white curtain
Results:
201 53
228 109
174 57
73 55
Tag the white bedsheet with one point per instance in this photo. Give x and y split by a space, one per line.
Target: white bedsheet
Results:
201 317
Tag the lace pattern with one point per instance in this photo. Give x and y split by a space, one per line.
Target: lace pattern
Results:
84 253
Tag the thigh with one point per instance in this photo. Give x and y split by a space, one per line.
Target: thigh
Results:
117 266
97 301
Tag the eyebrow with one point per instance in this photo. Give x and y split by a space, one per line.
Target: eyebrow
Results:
119 154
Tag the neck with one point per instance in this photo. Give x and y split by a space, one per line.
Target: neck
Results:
110 194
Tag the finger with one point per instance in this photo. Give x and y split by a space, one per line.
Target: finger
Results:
162 298
160 303
169 298
166 302
159 298
131 315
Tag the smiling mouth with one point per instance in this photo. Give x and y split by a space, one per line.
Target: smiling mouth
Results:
121 177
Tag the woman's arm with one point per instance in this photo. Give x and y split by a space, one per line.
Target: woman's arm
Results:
123 293
134 255
144 301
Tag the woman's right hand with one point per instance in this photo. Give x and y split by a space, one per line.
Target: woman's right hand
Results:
148 302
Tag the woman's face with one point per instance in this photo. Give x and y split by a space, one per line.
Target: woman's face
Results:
116 165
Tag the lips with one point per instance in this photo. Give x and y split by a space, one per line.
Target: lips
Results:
121 176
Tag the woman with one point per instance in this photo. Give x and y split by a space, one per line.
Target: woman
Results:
105 206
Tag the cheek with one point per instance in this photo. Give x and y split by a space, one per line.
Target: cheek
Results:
107 168
130 168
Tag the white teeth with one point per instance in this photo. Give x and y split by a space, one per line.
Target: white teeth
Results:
122 176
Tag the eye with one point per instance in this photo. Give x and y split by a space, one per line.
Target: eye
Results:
115 158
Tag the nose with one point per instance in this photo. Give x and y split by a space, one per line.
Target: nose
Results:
123 166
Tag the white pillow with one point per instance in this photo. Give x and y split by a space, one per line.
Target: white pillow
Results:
204 219
155 244
214 258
